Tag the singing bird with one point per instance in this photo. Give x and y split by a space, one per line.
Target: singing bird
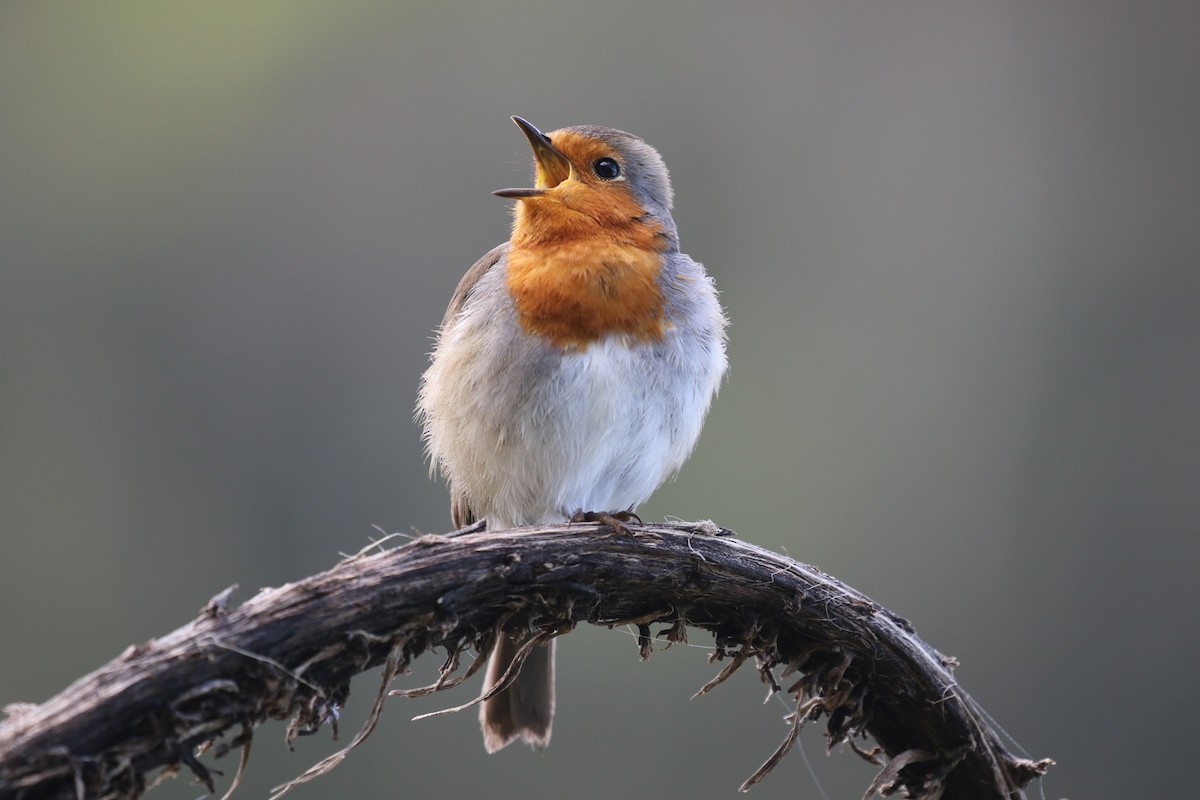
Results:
573 368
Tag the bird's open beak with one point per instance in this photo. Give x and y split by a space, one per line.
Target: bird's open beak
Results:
552 166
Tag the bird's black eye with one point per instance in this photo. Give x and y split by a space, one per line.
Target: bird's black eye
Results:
606 169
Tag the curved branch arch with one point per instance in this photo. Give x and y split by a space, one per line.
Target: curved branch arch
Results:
290 652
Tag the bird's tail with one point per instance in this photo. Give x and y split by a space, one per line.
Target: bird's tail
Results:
525 708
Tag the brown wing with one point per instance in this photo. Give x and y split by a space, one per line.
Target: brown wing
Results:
477 271
461 514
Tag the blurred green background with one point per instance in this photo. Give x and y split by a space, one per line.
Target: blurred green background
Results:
958 243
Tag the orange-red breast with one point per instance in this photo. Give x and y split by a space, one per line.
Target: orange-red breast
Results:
573 368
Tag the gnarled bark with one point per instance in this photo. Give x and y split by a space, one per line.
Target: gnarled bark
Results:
290 652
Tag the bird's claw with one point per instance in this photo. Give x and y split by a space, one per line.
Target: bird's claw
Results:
614 520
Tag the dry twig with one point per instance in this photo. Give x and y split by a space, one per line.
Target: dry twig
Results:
290 652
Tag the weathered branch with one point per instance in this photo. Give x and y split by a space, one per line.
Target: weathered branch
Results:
289 653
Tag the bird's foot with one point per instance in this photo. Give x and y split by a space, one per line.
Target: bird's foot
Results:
614 520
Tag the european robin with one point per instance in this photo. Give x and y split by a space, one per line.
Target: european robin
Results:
573 369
